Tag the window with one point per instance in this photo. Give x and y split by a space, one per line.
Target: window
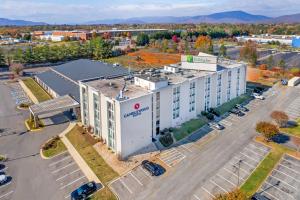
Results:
157 112
192 97
111 125
85 106
219 88
238 82
176 102
229 86
207 94
96 114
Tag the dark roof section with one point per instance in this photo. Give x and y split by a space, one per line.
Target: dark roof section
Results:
86 69
59 84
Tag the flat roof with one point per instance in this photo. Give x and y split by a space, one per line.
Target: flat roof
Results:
86 69
59 84
112 87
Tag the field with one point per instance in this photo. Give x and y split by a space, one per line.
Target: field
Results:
264 77
145 58
36 90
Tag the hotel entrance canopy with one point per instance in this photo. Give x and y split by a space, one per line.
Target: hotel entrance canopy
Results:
61 103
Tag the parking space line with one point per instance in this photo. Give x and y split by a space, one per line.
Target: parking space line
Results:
208 192
5 195
241 169
286 175
260 156
67 174
289 168
291 162
167 152
145 172
269 194
262 149
61 160
2 186
222 177
186 148
233 173
213 182
283 182
68 165
173 157
196 197
125 186
72 182
249 165
249 157
136 179
277 188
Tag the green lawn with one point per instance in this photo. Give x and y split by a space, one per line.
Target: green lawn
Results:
103 171
53 147
189 127
292 130
230 104
37 90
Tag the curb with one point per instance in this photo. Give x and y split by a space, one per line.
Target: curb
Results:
31 130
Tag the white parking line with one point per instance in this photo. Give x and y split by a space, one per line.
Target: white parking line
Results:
125 186
222 177
281 181
244 162
68 165
186 148
196 197
5 195
137 180
61 160
250 157
277 188
233 173
270 195
173 157
68 174
286 175
291 162
208 192
165 153
262 149
289 168
213 182
260 156
145 172
2 186
72 182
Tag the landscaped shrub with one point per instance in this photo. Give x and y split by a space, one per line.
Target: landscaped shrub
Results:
52 143
204 113
166 140
210 116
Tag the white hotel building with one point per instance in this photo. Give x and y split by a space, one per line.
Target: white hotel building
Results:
128 113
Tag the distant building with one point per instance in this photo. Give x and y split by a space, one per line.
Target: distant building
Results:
264 39
74 35
117 32
127 113
296 42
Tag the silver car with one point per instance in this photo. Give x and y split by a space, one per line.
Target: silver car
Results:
3 179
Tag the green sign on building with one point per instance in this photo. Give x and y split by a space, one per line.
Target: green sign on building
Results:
189 58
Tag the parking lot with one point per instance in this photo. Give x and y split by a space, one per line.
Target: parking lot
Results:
233 173
18 94
7 189
293 110
66 173
128 185
284 181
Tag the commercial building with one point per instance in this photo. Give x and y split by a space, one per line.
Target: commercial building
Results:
127 113
296 42
266 38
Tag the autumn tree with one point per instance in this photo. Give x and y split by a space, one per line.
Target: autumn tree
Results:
296 142
248 52
223 51
17 68
204 44
233 195
268 130
280 117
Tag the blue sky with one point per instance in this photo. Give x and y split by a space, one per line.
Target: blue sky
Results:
76 11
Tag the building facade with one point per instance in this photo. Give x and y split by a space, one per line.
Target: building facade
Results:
128 113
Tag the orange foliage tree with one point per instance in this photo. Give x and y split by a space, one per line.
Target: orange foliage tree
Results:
280 117
204 44
233 195
249 52
268 130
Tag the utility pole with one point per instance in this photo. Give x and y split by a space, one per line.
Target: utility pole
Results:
238 170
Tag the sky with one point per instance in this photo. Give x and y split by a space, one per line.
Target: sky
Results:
78 11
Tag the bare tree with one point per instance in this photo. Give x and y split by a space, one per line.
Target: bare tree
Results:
280 117
17 68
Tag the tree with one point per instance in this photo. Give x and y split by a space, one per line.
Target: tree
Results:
270 61
17 68
281 64
248 52
175 38
233 195
142 39
2 59
268 130
223 51
204 44
280 117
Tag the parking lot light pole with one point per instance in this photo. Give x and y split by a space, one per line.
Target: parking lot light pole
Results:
238 170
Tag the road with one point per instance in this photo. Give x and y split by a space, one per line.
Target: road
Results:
30 179
184 179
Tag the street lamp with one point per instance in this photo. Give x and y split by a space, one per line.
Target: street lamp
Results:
238 170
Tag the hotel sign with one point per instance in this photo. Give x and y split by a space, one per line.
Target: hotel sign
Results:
138 111
199 59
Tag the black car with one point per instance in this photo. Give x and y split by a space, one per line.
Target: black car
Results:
237 112
153 168
84 191
259 197
241 108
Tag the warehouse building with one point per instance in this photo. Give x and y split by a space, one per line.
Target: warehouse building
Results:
127 113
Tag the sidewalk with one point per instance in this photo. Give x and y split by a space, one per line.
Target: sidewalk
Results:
76 156
28 92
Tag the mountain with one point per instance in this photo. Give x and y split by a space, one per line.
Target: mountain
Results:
222 17
295 18
13 22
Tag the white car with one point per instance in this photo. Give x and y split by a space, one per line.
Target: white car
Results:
3 179
258 96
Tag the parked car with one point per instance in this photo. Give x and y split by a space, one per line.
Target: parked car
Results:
2 166
216 125
241 108
258 196
258 96
153 168
258 90
3 179
237 112
284 82
84 191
